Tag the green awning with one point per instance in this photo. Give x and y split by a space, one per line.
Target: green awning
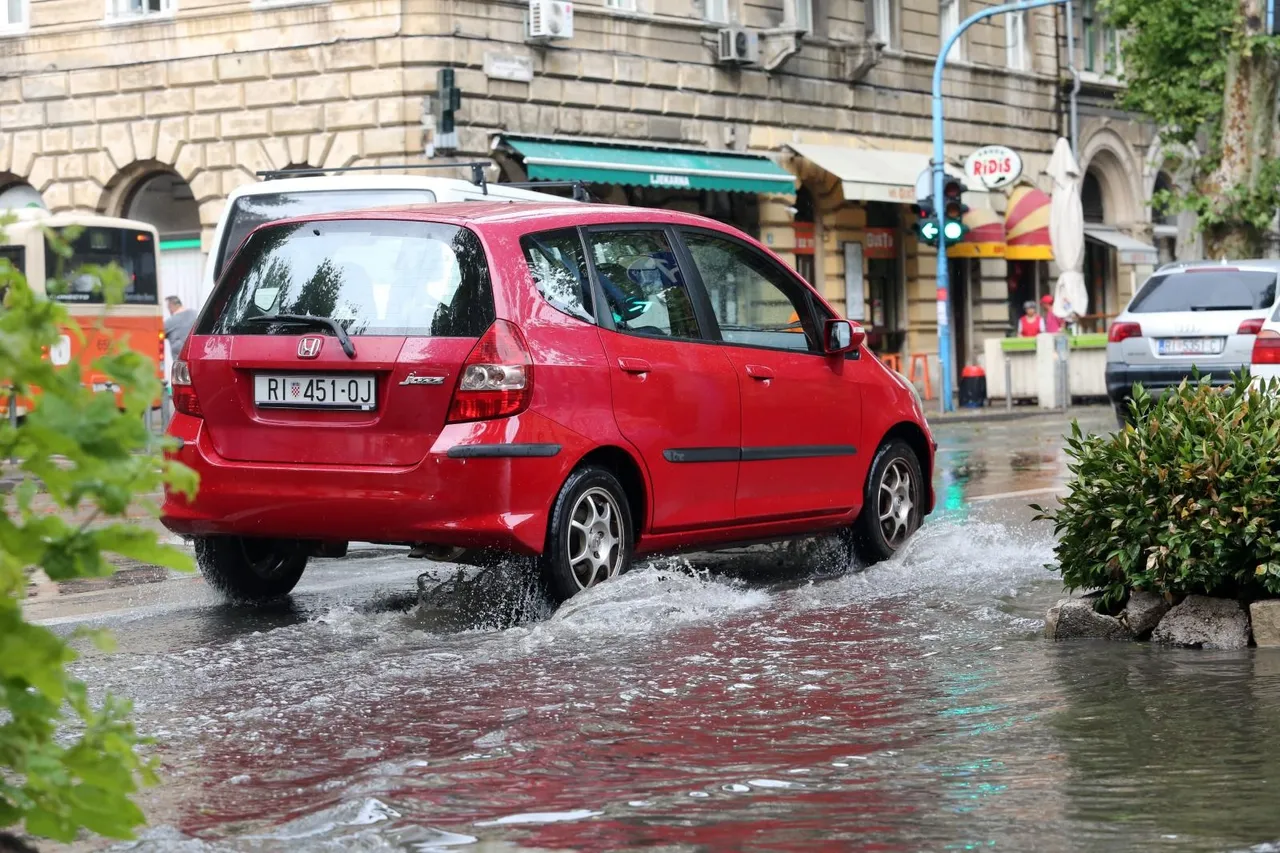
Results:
556 159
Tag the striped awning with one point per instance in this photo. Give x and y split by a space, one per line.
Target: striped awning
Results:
985 239
1026 226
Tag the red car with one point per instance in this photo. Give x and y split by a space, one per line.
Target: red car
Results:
580 384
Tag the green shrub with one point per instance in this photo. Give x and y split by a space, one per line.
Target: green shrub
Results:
1184 500
66 765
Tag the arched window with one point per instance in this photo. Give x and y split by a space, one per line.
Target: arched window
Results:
1161 216
1091 198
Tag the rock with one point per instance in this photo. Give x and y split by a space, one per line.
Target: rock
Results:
1143 612
1211 623
1075 619
1264 618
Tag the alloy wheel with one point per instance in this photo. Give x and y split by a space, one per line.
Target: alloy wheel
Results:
595 538
897 502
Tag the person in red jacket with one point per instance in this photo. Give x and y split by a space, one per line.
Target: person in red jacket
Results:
1052 322
1031 323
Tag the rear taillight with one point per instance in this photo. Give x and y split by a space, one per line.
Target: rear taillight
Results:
1250 327
1266 347
184 395
1124 331
497 377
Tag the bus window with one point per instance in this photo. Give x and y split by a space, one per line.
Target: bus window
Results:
134 251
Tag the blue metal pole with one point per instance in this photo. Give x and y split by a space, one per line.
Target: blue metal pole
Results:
939 165
1271 16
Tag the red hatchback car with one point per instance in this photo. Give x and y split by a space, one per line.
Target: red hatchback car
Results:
576 383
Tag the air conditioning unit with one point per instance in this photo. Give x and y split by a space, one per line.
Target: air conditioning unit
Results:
550 19
739 46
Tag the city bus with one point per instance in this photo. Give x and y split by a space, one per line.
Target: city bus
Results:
136 322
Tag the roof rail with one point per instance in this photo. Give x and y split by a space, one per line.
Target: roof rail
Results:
579 188
477 176
477 170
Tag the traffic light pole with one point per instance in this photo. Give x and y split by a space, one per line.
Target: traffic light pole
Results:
939 163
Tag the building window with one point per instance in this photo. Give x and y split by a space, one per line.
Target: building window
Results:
1017 52
14 16
1091 199
129 9
715 11
883 21
1099 43
621 5
948 23
804 15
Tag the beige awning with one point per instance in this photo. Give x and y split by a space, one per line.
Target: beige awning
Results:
1129 250
874 174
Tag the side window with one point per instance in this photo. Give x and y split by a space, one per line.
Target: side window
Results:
642 283
756 303
559 270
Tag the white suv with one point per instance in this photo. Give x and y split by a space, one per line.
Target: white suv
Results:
1191 316
267 201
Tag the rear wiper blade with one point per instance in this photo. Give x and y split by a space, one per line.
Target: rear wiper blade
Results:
309 320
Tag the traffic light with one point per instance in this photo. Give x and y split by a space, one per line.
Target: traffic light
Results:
953 227
926 226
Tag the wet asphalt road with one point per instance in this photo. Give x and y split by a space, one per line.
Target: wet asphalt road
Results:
764 702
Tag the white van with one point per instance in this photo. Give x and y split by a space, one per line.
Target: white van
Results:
267 201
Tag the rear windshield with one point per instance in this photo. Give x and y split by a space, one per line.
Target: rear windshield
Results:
373 276
134 251
250 211
1212 290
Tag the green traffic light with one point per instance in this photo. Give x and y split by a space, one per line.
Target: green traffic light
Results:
929 230
953 230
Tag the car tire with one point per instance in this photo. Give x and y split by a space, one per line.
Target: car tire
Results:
1122 414
250 570
893 504
589 535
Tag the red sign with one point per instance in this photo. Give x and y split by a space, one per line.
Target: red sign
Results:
881 243
804 238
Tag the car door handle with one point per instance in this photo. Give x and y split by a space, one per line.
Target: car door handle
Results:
633 365
759 371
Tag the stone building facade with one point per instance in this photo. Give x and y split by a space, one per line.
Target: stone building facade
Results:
160 108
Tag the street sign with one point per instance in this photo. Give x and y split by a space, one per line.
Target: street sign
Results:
993 166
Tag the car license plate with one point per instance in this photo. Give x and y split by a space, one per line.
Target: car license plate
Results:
1190 346
315 391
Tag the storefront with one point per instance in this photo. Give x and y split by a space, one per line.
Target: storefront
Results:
723 185
1115 264
1028 250
868 258
976 275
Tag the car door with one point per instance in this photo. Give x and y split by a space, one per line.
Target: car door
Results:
675 396
801 409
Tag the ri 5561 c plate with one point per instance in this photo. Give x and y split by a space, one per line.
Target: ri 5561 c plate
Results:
316 391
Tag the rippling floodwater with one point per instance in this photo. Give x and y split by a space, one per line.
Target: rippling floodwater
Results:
910 707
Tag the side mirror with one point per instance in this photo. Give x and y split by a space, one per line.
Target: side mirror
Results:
841 336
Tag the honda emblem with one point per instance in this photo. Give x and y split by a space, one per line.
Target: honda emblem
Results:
309 347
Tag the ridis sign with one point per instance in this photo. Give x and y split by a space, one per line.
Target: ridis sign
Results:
993 166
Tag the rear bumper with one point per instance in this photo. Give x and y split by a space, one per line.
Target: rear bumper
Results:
1157 379
480 486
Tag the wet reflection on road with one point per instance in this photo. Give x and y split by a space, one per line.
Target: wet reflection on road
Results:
763 700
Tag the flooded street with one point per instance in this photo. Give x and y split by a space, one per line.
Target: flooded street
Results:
913 706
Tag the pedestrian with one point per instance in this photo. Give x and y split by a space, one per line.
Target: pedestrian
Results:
1052 322
1031 323
177 325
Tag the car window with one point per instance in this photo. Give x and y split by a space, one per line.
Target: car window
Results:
250 211
374 276
1211 290
558 267
642 283
755 302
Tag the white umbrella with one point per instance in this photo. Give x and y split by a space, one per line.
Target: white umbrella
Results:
1066 232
